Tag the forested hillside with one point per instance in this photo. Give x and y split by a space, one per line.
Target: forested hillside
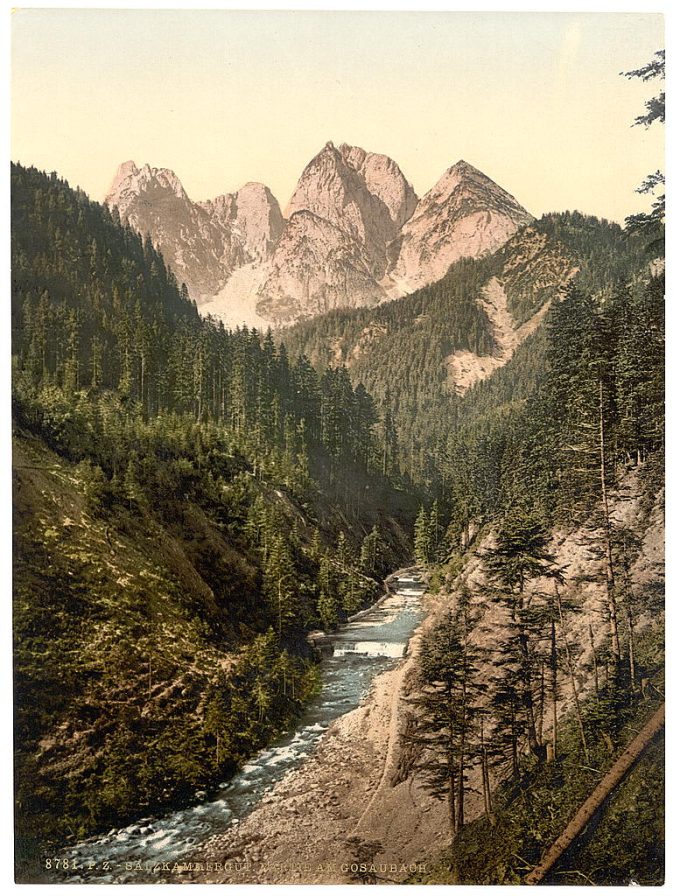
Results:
597 409
402 350
546 655
189 503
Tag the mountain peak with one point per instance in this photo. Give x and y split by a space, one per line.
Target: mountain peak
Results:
344 181
204 242
461 172
463 169
464 214
126 168
167 178
354 232
346 150
255 188
130 181
464 185
123 172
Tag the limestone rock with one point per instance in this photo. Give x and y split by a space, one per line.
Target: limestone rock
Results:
464 214
354 234
203 243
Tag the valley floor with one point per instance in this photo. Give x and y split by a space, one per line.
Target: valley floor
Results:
355 801
304 831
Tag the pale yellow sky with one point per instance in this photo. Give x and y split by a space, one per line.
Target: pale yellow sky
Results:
535 100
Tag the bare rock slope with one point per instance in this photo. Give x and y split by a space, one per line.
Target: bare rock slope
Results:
202 243
531 273
347 207
464 215
354 234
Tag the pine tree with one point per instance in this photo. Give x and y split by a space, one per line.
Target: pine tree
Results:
280 586
651 223
447 710
389 439
422 538
521 555
436 531
372 557
327 608
327 604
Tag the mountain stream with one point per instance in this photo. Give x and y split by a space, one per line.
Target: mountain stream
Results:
373 642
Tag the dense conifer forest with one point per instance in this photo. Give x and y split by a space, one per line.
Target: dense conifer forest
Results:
189 503
597 409
399 350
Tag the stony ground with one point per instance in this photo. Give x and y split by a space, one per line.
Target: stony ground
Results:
338 806
354 800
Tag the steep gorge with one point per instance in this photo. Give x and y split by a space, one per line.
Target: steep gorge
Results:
361 790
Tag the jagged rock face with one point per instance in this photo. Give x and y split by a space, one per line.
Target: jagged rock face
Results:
354 234
204 242
316 267
363 194
383 179
346 208
464 214
253 215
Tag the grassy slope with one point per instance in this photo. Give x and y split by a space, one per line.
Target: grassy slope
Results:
126 643
113 642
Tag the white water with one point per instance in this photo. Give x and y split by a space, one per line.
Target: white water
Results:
370 648
362 649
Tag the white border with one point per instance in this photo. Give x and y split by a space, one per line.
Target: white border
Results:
672 374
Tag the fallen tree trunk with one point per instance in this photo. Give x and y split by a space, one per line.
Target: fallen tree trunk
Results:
614 776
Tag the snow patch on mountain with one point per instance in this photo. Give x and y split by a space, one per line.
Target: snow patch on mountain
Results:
234 304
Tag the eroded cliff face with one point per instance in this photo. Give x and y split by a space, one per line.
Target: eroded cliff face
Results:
203 243
317 267
252 215
464 215
348 206
354 234
363 194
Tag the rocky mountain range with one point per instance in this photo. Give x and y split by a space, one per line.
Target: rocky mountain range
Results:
354 234
204 243
464 214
